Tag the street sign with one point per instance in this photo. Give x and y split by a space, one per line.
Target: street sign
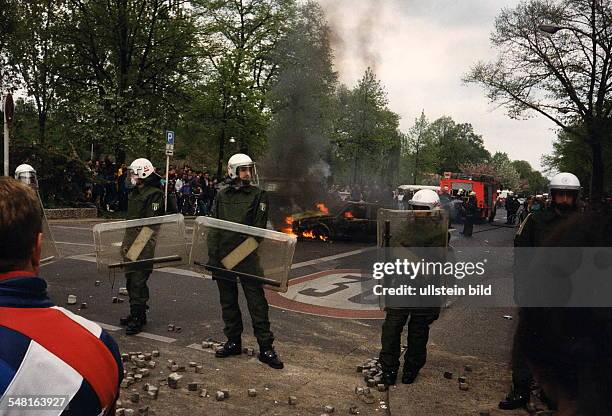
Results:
169 143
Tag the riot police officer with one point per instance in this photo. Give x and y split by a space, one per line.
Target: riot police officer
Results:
558 225
418 319
245 203
145 200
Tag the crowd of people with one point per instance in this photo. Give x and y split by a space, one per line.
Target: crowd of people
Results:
190 192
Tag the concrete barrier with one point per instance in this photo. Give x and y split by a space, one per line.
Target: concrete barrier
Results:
71 213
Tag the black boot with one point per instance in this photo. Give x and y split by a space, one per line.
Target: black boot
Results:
514 400
269 356
409 376
138 321
229 348
389 377
125 320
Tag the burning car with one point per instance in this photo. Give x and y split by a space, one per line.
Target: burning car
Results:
353 221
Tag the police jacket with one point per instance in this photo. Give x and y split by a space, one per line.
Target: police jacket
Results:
246 205
46 350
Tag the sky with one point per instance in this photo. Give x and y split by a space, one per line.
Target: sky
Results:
420 51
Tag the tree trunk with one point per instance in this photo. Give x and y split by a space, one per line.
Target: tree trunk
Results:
42 126
221 153
597 171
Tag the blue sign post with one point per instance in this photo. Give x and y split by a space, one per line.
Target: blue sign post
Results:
169 152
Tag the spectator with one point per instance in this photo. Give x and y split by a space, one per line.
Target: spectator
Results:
42 347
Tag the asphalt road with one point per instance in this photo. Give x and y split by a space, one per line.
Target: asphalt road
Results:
186 299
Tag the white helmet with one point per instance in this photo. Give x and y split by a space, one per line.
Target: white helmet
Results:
142 168
240 160
564 181
26 174
425 198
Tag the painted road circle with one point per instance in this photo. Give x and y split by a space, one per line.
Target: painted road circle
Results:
337 293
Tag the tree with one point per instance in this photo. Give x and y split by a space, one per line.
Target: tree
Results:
571 154
131 62
366 132
415 141
564 75
500 166
239 38
531 180
34 53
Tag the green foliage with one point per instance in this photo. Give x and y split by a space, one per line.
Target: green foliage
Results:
367 141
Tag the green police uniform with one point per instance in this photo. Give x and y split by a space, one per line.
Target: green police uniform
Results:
246 205
548 228
423 232
144 202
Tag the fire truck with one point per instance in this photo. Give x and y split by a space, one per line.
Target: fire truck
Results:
485 187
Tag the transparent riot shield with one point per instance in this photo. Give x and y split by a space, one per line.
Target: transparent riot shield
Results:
142 244
228 250
408 238
49 252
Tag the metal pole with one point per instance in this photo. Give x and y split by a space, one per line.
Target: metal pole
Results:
166 185
6 145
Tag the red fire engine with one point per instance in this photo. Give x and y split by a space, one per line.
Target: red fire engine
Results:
485 187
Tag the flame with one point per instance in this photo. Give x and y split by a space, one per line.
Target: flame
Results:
305 234
348 214
322 208
289 228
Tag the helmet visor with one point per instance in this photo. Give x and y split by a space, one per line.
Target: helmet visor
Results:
29 178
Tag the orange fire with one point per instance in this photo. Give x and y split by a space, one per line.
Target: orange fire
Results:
348 214
322 208
289 228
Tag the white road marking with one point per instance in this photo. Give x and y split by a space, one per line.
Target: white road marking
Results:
330 258
113 328
74 244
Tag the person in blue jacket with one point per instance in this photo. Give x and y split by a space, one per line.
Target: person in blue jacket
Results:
42 346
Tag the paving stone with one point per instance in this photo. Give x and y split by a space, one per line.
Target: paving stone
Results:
84 305
115 299
359 390
155 353
134 397
464 386
199 369
192 386
203 393
250 352
128 412
125 357
124 384
170 327
329 409
72 299
152 364
448 375
173 380
192 364
123 291
353 410
144 371
292 400
143 411
97 283
219 396
252 392
121 300
381 387
462 379
226 393
120 411
177 329
371 383
138 377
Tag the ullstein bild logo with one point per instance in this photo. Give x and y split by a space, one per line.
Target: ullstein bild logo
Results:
411 270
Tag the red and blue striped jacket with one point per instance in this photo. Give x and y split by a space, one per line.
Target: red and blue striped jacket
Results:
46 350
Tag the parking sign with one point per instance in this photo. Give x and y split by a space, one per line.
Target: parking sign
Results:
169 143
